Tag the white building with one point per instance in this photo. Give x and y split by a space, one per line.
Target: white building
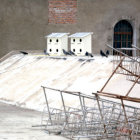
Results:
56 42
81 43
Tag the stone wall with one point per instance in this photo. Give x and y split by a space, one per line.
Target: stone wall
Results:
24 23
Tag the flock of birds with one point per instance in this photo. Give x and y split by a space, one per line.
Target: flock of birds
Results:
103 54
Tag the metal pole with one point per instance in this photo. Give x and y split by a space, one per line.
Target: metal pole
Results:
112 74
126 120
82 108
122 53
133 86
47 104
102 118
63 105
135 47
84 103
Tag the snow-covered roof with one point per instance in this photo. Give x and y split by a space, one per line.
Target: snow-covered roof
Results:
57 35
65 74
81 34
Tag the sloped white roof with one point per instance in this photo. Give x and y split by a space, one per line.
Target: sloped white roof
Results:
57 35
33 70
81 34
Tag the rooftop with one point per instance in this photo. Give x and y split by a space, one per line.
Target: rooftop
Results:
57 35
81 34
23 75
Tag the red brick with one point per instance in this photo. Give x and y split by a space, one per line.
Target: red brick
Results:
62 11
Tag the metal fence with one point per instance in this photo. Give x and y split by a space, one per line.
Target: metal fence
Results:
94 117
130 63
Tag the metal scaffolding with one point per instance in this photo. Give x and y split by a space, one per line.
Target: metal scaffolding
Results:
129 64
94 116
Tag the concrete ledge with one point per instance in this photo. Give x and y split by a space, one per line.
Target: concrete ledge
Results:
18 51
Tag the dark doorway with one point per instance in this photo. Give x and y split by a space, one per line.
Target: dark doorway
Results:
123 35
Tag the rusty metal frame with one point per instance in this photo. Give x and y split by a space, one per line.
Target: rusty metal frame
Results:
118 96
126 97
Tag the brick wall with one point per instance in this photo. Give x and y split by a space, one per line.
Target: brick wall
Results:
62 11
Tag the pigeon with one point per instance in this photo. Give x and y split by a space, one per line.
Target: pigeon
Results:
66 53
70 52
102 53
88 54
107 52
58 133
25 53
45 52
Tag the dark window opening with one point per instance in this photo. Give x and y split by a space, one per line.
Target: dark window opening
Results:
56 50
50 50
123 36
57 40
80 50
73 50
50 40
73 40
80 40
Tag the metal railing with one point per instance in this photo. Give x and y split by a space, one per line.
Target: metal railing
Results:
131 63
94 117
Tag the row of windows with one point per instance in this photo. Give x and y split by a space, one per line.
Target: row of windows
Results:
58 50
80 40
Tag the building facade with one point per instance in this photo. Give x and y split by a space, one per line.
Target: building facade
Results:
24 23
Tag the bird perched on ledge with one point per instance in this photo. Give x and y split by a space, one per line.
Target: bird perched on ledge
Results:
23 52
103 54
70 52
45 52
88 54
66 53
107 52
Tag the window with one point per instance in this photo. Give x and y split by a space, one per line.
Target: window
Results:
123 34
50 40
57 40
80 50
73 50
80 40
50 50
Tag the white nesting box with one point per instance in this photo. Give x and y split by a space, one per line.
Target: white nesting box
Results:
56 42
81 43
